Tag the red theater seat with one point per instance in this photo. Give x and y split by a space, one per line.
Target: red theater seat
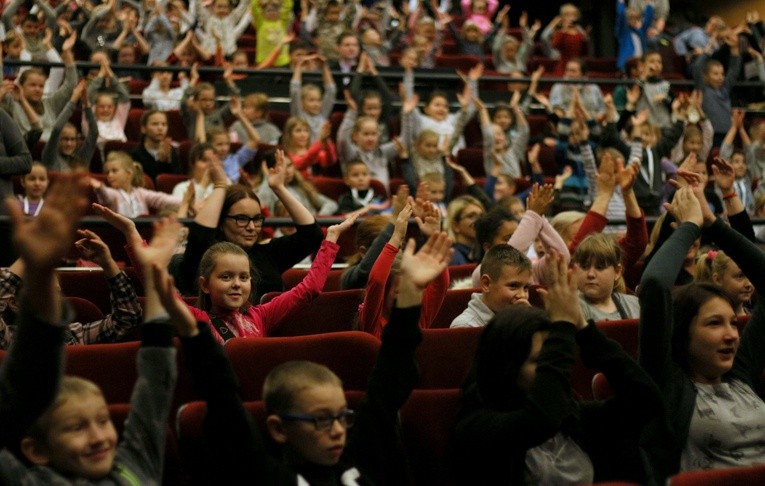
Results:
329 312
455 302
446 355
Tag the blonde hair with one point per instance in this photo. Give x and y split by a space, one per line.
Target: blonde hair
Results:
709 263
570 7
308 88
601 250
289 126
564 219
259 101
127 163
207 264
454 211
69 388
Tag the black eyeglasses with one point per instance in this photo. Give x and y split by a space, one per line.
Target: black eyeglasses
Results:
242 220
324 422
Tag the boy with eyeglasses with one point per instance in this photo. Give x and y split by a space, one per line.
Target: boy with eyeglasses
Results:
323 441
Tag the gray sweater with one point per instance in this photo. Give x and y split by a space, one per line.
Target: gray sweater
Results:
15 158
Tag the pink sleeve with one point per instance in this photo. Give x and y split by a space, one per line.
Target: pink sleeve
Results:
85 125
466 11
123 110
491 7
156 200
553 241
275 311
527 231
374 297
432 299
108 197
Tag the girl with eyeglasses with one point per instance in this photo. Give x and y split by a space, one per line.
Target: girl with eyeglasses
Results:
64 152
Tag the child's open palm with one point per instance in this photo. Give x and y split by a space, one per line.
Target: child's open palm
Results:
422 267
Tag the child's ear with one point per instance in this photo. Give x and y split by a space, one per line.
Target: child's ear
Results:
485 282
203 285
34 451
276 429
716 278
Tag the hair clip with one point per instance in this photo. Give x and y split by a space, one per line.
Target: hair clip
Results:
711 254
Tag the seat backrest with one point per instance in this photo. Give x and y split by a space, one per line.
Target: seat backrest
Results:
720 477
328 312
167 182
427 420
472 160
84 310
446 355
351 355
455 302
459 272
293 276
87 284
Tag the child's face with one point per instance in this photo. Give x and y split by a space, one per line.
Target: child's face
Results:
596 280
509 49
735 283
372 106
206 100
126 55
300 136
239 61
165 78
472 34
409 59
156 127
464 224
117 176
14 48
229 282
653 65
570 16
289 172
739 165
348 48
371 38
367 136
502 189
479 6
357 177
245 236
36 182
33 87
715 76
436 191
82 440
428 148
104 108
427 30
503 234
648 136
500 139
312 102
573 70
332 14
503 119
510 288
202 165
67 142
30 28
251 112
692 145
437 108
221 144
221 8
635 21
306 443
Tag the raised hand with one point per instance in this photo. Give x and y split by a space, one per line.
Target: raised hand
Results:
235 106
349 101
326 131
540 198
400 225
420 268
78 91
606 176
399 200
93 248
725 176
428 217
180 315
68 44
167 234
562 295
685 207
410 103
334 231
276 174
626 176
42 242
633 95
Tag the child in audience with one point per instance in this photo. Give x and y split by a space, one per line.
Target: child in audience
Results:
303 400
509 55
599 278
461 215
710 78
327 24
569 40
297 144
159 94
631 32
156 152
717 268
63 152
384 278
434 187
303 190
201 157
497 151
59 430
223 25
255 108
374 103
361 194
505 279
47 107
34 183
124 191
738 159
111 105
470 41
126 312
199 100
655 92
225 283
221 142
480 13
521 386
271 19
372 233
359 139
307 101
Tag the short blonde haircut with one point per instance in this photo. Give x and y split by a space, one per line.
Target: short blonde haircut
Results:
285 381
71 387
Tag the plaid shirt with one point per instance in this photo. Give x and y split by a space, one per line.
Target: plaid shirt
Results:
126 313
